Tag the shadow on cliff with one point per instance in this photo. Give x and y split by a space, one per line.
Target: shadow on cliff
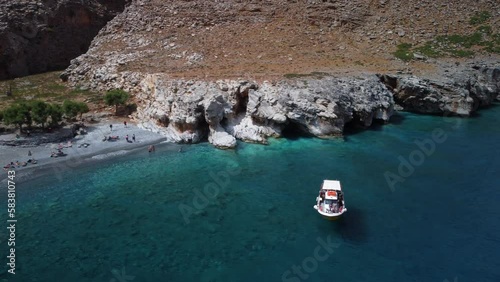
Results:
294 131
478 113
354 127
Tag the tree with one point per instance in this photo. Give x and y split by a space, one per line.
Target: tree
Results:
82 108
26 111
40 112
55 113
17 114
115 98
71 108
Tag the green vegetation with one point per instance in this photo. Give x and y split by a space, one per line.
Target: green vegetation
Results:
429 50
46 87
39 112
115 98
18 114
485 29
403 52
55 114
71 108
480 18
456 45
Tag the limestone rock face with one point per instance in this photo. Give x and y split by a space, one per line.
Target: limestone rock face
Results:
485 85
459 93
223 111
39 36
428 97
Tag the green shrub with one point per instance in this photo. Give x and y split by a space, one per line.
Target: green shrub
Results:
480 18
55 114
429 50
17 114
462 53
40 112
403 52
485 29
71 108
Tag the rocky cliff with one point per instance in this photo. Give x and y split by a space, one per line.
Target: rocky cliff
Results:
458 90
39 36
226 110
227 70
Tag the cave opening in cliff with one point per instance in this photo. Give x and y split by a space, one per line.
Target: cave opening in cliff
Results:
241 101
202 125
204 129
294 130
355 125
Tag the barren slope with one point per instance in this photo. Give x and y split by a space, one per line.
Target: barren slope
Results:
229 38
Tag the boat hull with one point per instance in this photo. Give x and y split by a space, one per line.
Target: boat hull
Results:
330 216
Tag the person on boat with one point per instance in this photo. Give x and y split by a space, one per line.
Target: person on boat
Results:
339 201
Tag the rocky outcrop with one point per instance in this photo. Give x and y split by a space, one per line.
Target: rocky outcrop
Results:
460 93
226 110
40 36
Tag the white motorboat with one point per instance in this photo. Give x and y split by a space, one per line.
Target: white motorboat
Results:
330 201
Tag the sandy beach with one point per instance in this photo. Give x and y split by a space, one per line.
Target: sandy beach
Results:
78 153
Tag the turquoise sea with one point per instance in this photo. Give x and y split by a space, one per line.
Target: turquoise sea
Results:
247 215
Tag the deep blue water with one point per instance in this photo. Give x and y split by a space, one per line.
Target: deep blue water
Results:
126 214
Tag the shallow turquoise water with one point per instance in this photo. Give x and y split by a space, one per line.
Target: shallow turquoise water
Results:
126 214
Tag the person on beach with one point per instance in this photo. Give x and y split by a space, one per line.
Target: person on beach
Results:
126 137
29 153
125 123
133 137
110 127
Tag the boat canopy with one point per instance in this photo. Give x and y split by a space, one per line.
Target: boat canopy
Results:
331 185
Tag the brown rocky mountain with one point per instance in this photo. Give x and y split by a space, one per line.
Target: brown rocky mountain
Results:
230 38
226 70
39 36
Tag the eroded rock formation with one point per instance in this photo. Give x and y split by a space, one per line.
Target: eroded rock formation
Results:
225 110
459 93
40 36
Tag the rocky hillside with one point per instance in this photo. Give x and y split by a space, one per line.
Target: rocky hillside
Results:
39 36
230 69
252 39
